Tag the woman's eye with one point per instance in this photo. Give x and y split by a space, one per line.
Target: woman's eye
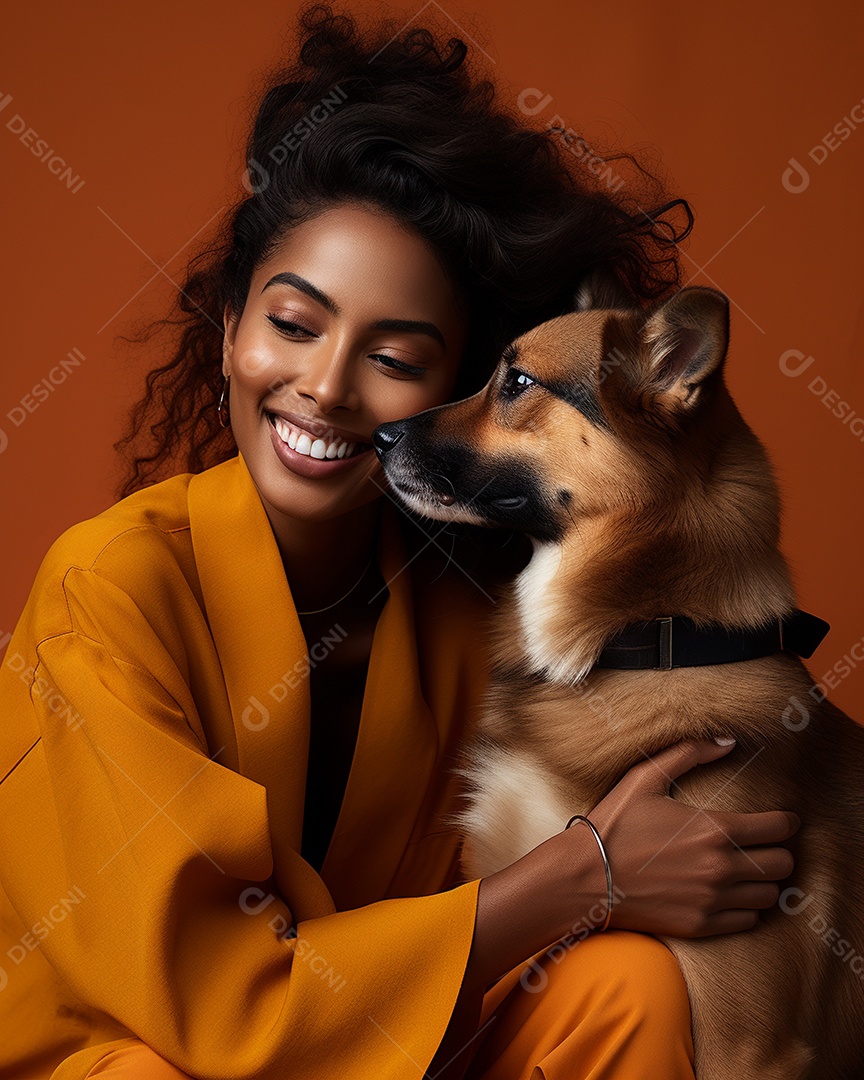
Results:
515 382
292 329
399 365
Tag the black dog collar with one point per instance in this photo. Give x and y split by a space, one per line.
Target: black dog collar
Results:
676 641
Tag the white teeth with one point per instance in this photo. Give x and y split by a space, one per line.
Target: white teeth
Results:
303 443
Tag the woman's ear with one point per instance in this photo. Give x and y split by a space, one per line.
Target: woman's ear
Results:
229 321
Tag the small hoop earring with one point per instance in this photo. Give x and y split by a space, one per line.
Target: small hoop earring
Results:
222 421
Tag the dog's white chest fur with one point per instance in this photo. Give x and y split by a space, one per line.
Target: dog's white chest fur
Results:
562 657
533 602
514 807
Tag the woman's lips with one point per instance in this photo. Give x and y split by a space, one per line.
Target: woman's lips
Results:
303 464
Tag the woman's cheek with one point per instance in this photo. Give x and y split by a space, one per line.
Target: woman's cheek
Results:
253 361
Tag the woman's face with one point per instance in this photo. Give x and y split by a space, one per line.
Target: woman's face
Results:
352 322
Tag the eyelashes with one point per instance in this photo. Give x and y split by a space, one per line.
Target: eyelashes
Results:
400 365
292 328
295 330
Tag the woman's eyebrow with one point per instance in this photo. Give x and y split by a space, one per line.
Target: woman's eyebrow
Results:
287 278
405 326
411 326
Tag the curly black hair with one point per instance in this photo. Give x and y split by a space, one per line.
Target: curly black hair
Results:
406 121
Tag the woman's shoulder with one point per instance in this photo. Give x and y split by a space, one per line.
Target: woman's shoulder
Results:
136 546
144 519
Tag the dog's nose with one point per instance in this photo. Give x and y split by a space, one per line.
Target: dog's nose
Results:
385 436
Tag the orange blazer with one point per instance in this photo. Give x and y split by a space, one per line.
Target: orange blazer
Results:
153 756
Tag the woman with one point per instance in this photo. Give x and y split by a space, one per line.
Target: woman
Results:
200 875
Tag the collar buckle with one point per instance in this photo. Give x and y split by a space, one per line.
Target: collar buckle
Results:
665 628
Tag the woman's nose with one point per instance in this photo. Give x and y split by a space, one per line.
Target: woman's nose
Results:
330 378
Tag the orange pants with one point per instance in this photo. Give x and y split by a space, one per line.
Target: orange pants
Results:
612 1006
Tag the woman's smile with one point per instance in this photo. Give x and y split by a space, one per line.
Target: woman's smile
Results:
313 449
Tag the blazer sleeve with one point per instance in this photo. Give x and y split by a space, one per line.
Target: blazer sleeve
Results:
175 932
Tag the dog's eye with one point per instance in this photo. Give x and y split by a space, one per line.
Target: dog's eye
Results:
515 382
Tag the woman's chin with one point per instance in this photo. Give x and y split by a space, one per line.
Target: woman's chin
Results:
303 497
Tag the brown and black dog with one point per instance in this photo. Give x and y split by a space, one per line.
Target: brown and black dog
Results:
609 438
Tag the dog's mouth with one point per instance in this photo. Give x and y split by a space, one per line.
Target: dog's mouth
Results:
443 498
426 499
509 502
448 479
432 503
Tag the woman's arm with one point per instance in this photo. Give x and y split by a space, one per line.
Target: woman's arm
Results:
185 932
675 871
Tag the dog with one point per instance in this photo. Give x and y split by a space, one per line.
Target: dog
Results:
608 437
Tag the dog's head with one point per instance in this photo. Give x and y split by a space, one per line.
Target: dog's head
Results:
583 414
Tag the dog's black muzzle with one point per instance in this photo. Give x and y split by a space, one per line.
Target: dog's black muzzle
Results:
499 490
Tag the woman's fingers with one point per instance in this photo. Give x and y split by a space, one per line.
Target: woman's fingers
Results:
660 771
730 921
749 894
749 830
762 864
683 870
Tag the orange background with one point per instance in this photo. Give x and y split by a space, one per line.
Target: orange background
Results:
146 104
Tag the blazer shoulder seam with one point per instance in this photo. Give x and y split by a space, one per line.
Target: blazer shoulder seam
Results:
93 569
118 659
124 532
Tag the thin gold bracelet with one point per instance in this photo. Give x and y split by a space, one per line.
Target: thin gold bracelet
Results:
590 824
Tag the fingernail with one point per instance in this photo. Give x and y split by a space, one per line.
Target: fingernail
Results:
722 741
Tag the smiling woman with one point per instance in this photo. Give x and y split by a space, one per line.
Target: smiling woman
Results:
272 666
324 352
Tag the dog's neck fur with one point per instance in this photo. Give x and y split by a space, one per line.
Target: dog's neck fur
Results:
707 549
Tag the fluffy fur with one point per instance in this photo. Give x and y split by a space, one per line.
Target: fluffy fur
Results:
609 437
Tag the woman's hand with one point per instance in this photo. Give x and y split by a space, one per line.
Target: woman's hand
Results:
676 870
681 871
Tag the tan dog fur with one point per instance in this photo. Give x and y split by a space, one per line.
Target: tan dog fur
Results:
671 508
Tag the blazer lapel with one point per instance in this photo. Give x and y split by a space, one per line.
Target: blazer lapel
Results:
261 645
258 639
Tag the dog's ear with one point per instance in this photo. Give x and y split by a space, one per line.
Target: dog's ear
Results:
684 341
603 290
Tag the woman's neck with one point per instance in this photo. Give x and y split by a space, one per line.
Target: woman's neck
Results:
324 559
